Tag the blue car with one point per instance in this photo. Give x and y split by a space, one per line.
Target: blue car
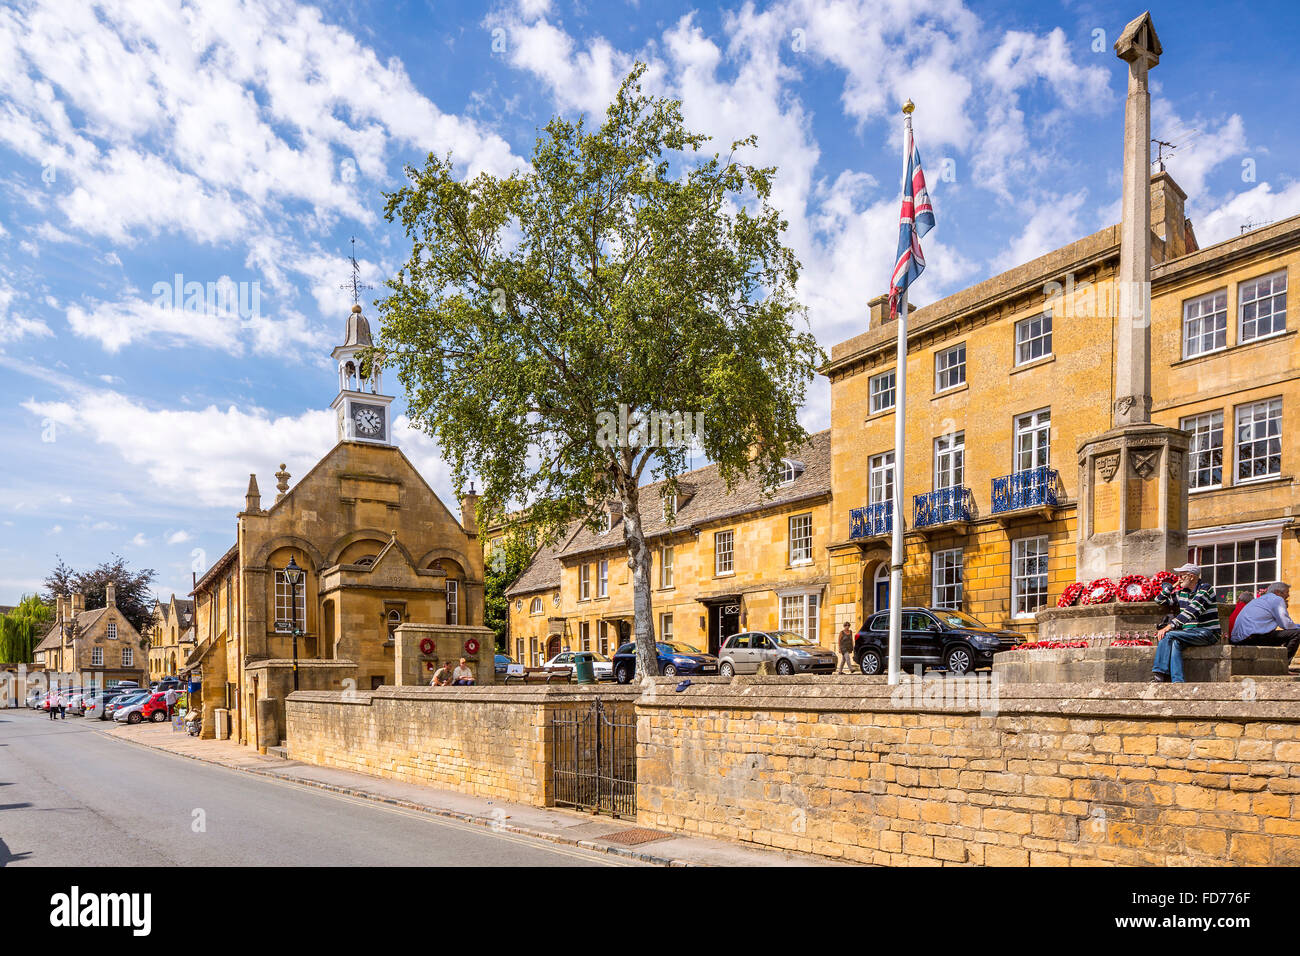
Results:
501 663
674 658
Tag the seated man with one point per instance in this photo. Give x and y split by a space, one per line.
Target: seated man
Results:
462 676
1264 622
441 677
1194 623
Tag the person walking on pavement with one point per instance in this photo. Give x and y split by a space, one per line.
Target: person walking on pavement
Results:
1194 622
846 649
1264 622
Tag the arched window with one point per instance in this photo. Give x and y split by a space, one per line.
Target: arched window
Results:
790 470
536 606
453 601
365 562
394 619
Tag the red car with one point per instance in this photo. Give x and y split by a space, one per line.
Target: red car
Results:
155 708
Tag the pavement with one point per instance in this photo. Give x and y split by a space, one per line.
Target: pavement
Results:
586 838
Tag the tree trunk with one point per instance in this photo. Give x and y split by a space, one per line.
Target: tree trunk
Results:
638 559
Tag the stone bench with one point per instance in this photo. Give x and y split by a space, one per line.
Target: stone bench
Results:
1117 665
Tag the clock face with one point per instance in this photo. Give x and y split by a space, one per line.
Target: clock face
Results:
369 421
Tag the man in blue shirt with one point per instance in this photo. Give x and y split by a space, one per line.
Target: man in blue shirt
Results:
1264 622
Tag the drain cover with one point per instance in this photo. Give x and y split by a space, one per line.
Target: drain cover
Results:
635 835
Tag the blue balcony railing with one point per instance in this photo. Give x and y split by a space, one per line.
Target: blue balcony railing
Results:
944 506
871 521
1031 488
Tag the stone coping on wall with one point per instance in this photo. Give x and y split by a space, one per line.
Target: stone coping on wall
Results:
1275 701
476 694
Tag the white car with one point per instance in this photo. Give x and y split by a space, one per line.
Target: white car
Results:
130 711
602 667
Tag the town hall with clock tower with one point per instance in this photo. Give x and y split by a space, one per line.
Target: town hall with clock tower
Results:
355 576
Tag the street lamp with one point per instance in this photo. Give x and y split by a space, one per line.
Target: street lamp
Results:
293 574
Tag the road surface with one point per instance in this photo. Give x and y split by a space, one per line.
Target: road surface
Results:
71 796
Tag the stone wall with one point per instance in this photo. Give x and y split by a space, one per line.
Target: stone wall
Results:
492 741
1057 774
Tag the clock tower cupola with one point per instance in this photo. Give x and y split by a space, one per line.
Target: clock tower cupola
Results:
361 410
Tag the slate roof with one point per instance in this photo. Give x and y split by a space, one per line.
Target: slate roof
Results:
702 498
84 621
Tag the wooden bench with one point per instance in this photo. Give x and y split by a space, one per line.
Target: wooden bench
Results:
541 675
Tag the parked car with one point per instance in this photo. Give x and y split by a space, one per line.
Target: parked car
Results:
932 637
124 700
602 667
786 652
502 662
35 698
674 658
155 707
95 704
131 710
167 683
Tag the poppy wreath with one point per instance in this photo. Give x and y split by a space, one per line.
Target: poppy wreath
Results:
471 647
1048 645
1161 578
1070 596
426 646
1135 587
1100 591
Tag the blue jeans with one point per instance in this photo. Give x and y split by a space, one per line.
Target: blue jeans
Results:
1169 652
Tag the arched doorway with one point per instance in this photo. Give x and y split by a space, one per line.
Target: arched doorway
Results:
880 588
552 646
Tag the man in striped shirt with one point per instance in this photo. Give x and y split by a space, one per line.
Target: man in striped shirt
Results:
1194 623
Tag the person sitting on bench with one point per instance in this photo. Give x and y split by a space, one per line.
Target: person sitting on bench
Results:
1264 622
462 676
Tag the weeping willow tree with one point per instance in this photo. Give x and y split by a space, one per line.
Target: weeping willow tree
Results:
22 628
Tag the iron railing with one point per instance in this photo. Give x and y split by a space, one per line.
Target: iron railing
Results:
871 521
944 506
1031 488
594 766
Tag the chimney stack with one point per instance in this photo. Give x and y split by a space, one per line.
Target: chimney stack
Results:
1168 221
58 600
110 595
468 519
78 603
879 308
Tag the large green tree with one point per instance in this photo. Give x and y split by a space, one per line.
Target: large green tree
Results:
21 629
626 271
131 588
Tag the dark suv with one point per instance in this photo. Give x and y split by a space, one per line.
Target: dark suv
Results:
932 637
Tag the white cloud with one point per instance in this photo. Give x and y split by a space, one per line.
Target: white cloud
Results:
179 537
1054 223
203 456
1260 204
140 541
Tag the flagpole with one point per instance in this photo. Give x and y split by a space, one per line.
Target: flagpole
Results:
900 431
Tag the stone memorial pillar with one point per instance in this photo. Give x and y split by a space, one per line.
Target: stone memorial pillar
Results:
1133 478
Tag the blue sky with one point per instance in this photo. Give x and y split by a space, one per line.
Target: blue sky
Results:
245 143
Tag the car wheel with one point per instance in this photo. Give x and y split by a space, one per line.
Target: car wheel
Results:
870 663
623 674
958 660
726 670
784 668
133 717
158 716
669 670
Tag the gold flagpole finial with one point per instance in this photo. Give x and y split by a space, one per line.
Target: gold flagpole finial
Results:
908 107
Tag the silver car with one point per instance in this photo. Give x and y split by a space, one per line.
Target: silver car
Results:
785 651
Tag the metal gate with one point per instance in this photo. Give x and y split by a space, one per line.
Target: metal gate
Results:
594 766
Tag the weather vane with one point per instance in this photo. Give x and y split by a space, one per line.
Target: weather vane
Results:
355 283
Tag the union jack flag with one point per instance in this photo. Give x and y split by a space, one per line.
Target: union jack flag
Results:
914 220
